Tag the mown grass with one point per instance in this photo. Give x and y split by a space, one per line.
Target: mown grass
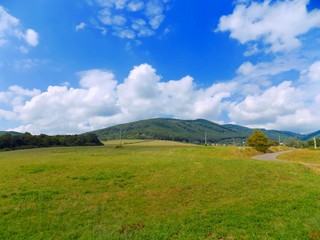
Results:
152 190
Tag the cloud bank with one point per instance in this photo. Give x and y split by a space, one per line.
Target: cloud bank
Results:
102 101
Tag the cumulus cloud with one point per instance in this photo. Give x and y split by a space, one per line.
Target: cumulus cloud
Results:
314 72
130 19
10 27
246 68
289 105
276 25
267 106
101 101
17 95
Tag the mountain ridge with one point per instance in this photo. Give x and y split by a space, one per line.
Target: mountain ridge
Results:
194 131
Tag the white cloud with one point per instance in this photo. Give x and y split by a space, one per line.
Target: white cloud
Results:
262 73
135 6
124 33
140 26
80 26
101 101
17 95
31 37
314 72
155 13
7 24
107 18
267 106
277 24
130 19
7 115
66 110
156 21
289 105
10 27
246 68
118 4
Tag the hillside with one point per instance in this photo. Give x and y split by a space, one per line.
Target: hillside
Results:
272 134
189 131
9 132
171 129
311 135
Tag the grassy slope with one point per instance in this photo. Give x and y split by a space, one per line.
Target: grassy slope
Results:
154 191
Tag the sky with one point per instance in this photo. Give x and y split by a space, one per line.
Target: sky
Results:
74 66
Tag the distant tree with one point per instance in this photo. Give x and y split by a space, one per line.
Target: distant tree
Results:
296 143
12 142
311 143
259 141
274 143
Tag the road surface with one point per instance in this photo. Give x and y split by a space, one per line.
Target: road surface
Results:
273 157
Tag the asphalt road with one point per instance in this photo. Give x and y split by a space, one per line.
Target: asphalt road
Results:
273 157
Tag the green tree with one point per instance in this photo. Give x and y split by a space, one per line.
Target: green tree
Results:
259 141
311 142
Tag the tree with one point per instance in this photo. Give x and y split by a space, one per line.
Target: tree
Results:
311 142
259 141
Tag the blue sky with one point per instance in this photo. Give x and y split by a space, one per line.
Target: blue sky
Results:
76 66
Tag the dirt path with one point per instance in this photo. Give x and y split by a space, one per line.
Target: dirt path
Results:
273 157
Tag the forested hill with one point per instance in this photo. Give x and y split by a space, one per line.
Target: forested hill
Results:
9 132
170 129
26 140
188 131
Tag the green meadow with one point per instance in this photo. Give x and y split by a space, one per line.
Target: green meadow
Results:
155 190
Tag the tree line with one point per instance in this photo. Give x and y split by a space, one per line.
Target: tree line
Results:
27 140
261 142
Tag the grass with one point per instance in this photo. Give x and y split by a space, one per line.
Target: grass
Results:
155 190
305 155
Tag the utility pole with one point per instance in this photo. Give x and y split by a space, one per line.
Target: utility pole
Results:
279 140
315 143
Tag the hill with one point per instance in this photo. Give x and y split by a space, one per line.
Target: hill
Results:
311 135
192 131
9 132
272 134
171 129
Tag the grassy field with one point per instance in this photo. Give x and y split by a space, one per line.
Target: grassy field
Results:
155 190
305 155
